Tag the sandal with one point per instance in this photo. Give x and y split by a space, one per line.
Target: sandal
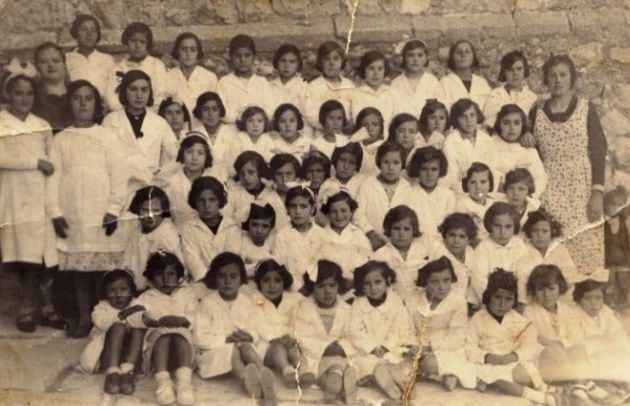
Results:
25 321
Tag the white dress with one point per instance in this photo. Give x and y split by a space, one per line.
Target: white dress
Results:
150 65
454 89
383 99
477 211
603 336
276 320
461 153
411 100
349 249
97 68
237 94
201 80
298 148
463 271
298 251
351 187
326 147
433 207
264 145
368 164
500 96
224 147
239 201
292 92
321 90
252 253
560 326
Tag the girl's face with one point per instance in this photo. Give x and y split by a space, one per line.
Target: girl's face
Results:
118 293
541 235
463 56
559 80
436 121
50 65
401 234
375 74
137 46
479 186
501 302
174 116
207 205
315 174
272 285
242 60
391 166
21 97
340 214
195 158
288 125
83 105
249 177
138 93
406 133
165 280
515 75
429 174
547 296
333 124
373 125
150 214
517 193
439 285
288 65
228 281
259 230
592 302
326 292
346 166
467 121
511 126
255 125
331 65
210 113
300 210
284 174
416 60
87 34
188 52
375 285
456 241
502 229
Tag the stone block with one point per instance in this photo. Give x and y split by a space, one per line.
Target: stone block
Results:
457 26
414 6
374 29
591 53
620 54
596 19
306 9
542 23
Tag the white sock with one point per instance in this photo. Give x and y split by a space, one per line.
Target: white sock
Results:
162 377
183 375
534 395
126 368
112 370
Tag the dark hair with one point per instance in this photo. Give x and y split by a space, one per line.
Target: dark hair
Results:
316 157
396 122
410 46
302 191
519 175
559 60
424 155
160 260
178 42
207 183
48 45
435 266
280 160
135 28
329 106
588 285
369 58
450 63
251 156
399 213
205 98
510 59
168 102
242 41
477 167
390 146
79 20
500 279
257 212
325 269
539 215
188 141
327 48
367 111
250 112
268 265
98 101
544 275
147 193
511 109
431 106
223 259
341 196
459 220
459 108
127 79
281 110
287 49
11 81
353 148
112 276
498 209
361 272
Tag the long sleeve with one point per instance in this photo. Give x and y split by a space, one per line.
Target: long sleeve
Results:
538 172
207 332
597 146
195 266
53 183
453 336
361 215
13 158
527 346
117 181
473 350
170 146
358 333
102 317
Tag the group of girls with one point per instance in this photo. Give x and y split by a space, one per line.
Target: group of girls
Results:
333 234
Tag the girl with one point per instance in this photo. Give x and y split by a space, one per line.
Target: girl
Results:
429 165
316 170
176 115
85 61
289 87
478 183
347 162
155 232
332 117
254 132
275 305
514 73
404 130
543 246
380 193
50 93
462 82
616 230
257 235
380 329
440 319
190 79
503 344
415 85
407 250
331 60
501 249
86 196
226 335
518 187
297 244
374 69
242 87
433 124
26 234
209 232
321 324
458 230
114 344
138 39
288 123
508 154
169 313
285 170
466 143
368 132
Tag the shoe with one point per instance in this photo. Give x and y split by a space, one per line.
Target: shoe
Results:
53 320
26 323
185 395
79 331
267 386
306 378
164 393
288 377
127 383
112 384
449 382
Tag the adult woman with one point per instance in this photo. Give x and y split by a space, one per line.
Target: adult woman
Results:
572 145
50 94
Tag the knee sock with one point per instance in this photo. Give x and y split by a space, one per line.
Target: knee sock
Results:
126 368
183 376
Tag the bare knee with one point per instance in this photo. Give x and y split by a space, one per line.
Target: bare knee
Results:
429 364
